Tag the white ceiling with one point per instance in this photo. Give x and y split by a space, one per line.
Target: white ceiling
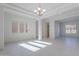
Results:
32 6
51 8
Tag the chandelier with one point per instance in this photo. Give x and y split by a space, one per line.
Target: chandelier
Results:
39 11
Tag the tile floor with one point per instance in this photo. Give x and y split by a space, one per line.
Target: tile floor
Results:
60 47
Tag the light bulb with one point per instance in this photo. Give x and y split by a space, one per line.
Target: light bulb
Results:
39 8
35 10
37 13
44 10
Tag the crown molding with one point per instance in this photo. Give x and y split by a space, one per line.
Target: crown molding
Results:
62 9
56 12
17 10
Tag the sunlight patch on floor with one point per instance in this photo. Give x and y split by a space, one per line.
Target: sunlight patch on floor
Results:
35 45
42 42
29 47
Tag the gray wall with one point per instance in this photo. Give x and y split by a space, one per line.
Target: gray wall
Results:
57 29
1 28
31 26
62 28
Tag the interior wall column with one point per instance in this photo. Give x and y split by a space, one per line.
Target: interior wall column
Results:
39 29
52 29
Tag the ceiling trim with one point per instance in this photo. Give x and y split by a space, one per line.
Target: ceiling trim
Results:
21 8
6 6
62 10
59 11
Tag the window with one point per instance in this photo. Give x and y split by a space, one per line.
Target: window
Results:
67 28
71 28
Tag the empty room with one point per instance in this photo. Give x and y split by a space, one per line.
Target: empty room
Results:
39 29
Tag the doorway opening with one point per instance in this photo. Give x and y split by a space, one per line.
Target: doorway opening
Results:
47 30
36 29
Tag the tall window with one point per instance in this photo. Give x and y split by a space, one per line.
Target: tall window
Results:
68 30
71 28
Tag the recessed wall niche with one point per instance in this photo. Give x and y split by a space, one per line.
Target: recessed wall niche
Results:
14 26
21 27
